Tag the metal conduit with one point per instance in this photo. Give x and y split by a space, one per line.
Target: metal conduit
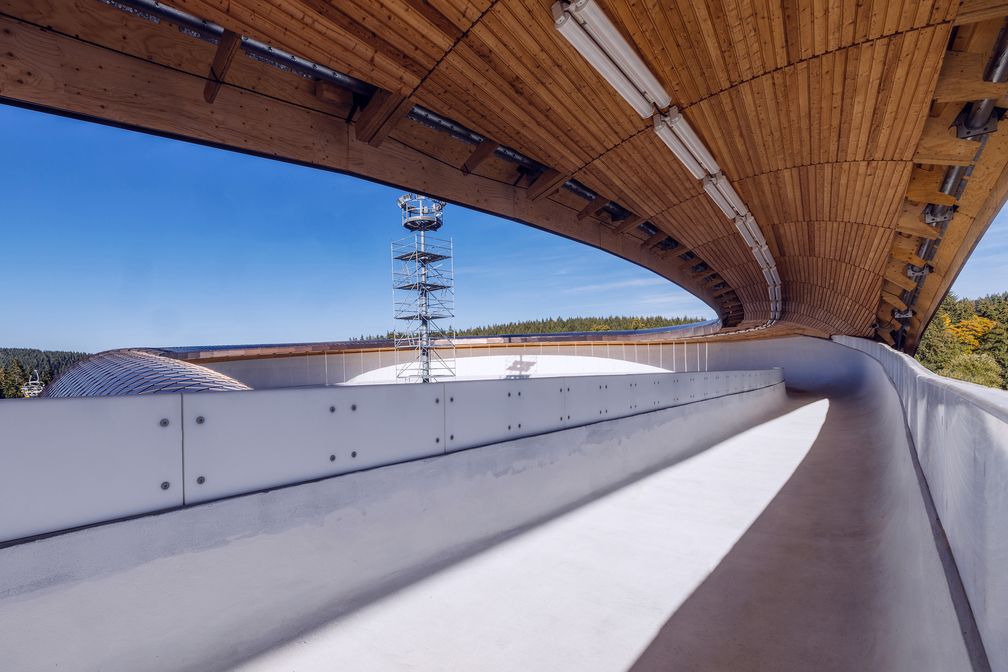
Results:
975 126
209 31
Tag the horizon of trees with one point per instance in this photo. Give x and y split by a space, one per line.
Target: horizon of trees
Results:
559 325
968 340
18 364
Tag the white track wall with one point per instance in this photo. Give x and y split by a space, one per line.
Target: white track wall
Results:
960 432
72 462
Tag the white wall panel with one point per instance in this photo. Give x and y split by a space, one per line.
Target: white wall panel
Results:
70 462
260 439
479 413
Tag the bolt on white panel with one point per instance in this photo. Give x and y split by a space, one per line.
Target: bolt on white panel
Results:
245 441
481 412
71 462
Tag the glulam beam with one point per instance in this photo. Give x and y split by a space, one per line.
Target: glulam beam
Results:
227 47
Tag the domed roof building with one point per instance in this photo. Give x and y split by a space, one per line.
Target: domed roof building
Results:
132 371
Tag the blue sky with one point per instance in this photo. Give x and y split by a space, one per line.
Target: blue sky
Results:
114 239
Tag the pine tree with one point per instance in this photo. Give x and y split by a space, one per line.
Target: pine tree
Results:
13 380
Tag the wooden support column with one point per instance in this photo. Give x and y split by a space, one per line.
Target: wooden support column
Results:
483 151
896 274
546 184
962 79
975 11
924 187
653 240
890 293
939 145
380 116
227 47
330 93
592 208
629 224
911 223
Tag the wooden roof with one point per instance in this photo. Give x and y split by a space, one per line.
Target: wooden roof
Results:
831 118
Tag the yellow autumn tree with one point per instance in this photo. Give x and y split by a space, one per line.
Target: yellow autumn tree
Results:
971 330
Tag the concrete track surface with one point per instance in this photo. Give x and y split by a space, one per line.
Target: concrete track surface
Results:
793 534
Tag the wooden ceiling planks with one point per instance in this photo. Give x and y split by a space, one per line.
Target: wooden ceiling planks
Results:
816 112
801 108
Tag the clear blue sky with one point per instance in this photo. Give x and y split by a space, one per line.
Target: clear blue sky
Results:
114 239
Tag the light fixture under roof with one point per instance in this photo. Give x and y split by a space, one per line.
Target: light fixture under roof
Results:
743 228
593 34
589 31
677 122
754 230
724 186
762 254
608 36
668 136
711 187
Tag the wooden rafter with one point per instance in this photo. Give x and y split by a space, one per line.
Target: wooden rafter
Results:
546 184
483 151
227 47
380 116
592 207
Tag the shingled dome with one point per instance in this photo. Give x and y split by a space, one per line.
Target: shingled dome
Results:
121 372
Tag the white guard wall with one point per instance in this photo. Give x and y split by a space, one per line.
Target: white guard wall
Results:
70 462
179 591
960 432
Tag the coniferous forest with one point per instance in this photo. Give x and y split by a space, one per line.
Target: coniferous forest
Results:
559 325
17 364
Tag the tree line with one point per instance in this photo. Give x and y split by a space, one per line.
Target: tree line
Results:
968 340
18 364
559 325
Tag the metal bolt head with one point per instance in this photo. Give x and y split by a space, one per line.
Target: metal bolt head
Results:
353 407
353 454
332 458
201 480
165 485
164 422
200 420
332 409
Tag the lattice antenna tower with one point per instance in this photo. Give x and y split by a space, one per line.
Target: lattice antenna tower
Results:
423 293
34 386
